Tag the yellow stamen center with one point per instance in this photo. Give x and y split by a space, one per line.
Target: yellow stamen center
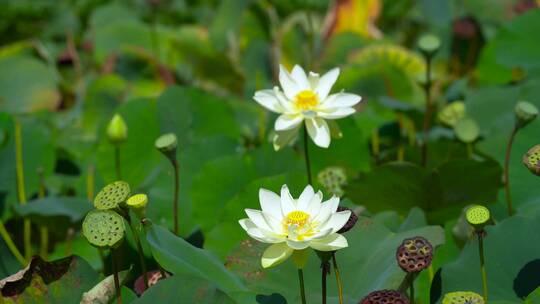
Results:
297 218
306 100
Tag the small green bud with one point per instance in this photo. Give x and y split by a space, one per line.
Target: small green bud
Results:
452 113
526 112
117 129
167 144
429 44
531 160
478 216
103 228
138 204
462 297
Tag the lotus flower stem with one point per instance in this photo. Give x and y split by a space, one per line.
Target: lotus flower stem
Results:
44 232
117 162
11 245
116 280
302 289
482 265
338 279
140 252
176 192
507 169
411 293
306 155
27 232
323 282
90 183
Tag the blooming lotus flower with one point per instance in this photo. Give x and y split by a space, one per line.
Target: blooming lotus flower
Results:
306 98
295 224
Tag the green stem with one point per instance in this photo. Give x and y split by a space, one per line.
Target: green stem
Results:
324 267
411 294
482 265
427 114
44 232
19 165
507 169
302 289
117 162
338 279
141 254
176 193
11 246
116 279
306 155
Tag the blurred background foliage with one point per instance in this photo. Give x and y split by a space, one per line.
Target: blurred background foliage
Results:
191 67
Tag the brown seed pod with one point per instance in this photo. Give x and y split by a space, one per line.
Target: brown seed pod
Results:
385 297
531 160
153 277
414 254
350 223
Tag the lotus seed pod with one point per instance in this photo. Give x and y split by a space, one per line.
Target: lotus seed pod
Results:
531 160
385 297
112 196
478 216
350 223
462 297
466 130
103 228
138 204
117 130
414 254
333 180
167 144
429 44
525 113
452 113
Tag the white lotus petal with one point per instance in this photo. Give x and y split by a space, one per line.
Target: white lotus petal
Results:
287 202
326 82
327 209
337 221
275 224
331 242
314 205
275 255
287 122
305 198
261 236
296 245
246 224
321 234
257 218
284 138
341 100
269 100
288 106
313 80
300 77
288 84
270 203
319 132
336 113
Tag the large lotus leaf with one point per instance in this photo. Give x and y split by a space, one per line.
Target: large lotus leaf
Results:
55 211
180 257
185 289
60 281
38 152
493 109
441 193
138 156
28 87
368 264
512 259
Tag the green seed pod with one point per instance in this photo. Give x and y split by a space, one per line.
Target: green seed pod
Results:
167 144
466 130
385 297
112 196
478 216
117 130
333 180
138 204
452 113
525 113
103 228
462 297
429 44
531 160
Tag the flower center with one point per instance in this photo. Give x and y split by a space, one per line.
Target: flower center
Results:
297 218
306 100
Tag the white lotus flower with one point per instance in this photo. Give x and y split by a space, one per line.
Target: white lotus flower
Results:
306 98
295 224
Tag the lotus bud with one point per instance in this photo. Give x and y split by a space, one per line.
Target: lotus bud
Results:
525 113
167 144
429 44
117 130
